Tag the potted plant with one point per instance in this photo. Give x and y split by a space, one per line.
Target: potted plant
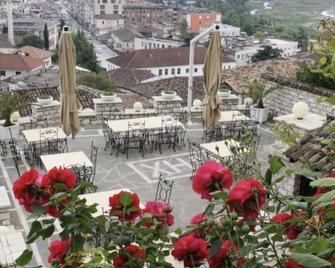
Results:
257 91
8 106
168 93
44 99
223 92
108 95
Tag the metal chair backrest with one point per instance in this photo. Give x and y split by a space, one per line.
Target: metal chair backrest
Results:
94 157
163 190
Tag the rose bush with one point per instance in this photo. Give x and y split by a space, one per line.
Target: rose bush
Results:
247 223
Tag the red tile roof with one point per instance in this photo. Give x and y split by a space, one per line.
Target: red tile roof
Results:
33 52
201 20
16 62
150 58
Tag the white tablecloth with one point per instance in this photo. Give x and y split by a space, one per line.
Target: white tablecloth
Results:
65 160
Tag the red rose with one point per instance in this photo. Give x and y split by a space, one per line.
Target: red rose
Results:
292 264
217 261
125 205
58 250
159 211
190 249
211 177
198 218
130 256
26 190
291 230
58 175
247 197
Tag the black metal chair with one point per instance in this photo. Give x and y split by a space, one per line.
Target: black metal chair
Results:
135 137
163 190
94 158
182 130
16 156
168 134
106 132
83 174
197 156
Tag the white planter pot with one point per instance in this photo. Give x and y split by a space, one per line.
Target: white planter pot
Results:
108 97
44 101
5 132
224 94
168 95
259 115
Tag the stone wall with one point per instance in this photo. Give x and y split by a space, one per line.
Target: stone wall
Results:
281 100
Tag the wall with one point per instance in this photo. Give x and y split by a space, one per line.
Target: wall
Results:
282 100
151 43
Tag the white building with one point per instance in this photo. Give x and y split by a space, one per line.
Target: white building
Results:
32 26
123 39
107 22
35 53
12 65
164 63
244 54
152 43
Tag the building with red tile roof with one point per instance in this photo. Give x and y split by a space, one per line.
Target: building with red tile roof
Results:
35 53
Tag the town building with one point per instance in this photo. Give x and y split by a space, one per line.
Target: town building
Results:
35 26
163 63
83 12
12 65
152 43
107 22
197 22
35 53
122 40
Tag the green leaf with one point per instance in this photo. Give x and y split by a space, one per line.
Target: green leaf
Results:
276 164
220 195
323 60
37 210
324 182
24 258
214 248
35 228
78 243
126 199
320 245
309 260
47 232
325 197
60 186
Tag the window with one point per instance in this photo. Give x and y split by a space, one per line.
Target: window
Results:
104 1
2 73
195 70
17 73
178 71
166 71
163 46
102 6
187 70
160 72
173 71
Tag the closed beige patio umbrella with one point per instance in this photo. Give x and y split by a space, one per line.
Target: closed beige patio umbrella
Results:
67 82
212 80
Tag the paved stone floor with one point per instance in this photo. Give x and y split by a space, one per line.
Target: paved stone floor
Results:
140 174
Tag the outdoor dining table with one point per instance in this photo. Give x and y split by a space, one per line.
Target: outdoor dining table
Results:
232 116
150 123
220 149
310 123
34 135
102 199
65 160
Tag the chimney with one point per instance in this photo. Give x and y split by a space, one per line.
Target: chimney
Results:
10 23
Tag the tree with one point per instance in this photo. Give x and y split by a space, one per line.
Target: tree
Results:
34 41
185 35
302 39
98 81
266 53
46 37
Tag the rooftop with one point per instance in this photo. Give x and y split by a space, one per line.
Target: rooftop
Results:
151 58
17 62
125 34
33 52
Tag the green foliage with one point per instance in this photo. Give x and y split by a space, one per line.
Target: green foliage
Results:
266 53
8 105
33 40
185 35
258 90
322 72
86 56
286 133
46 37
98 81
